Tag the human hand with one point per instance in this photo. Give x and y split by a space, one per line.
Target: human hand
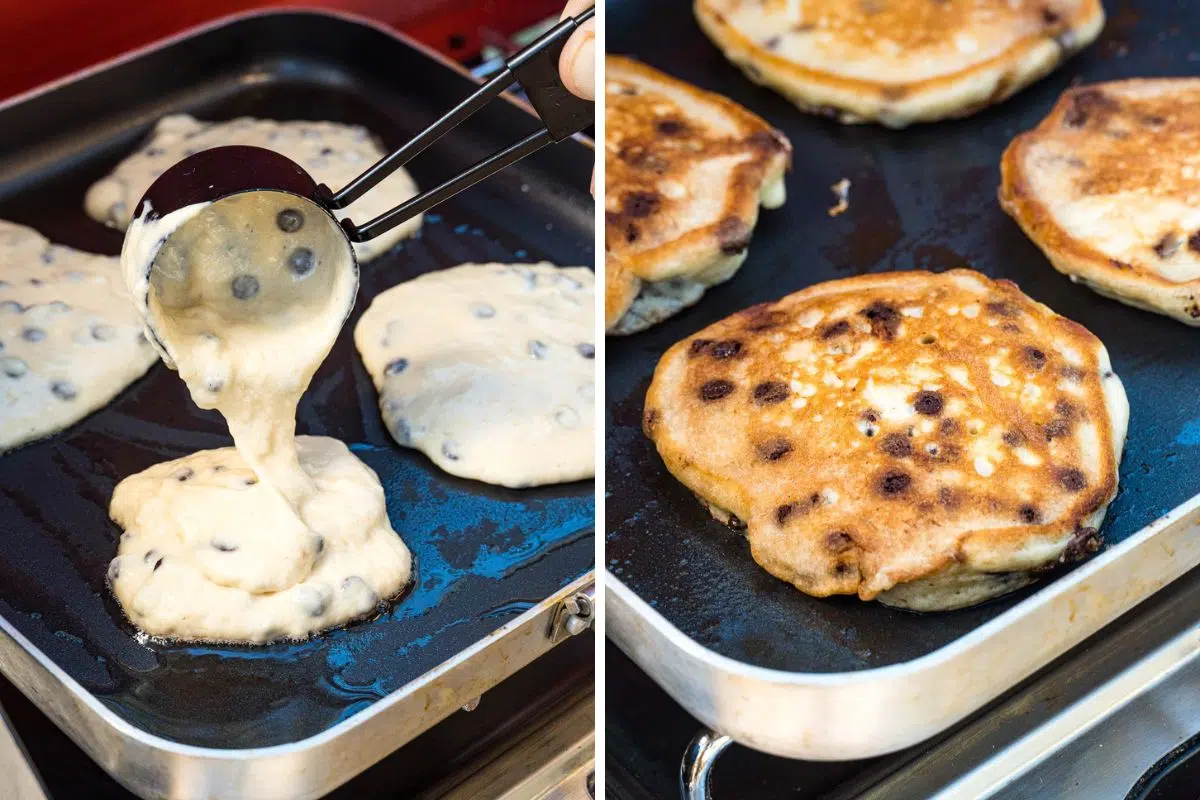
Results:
577 64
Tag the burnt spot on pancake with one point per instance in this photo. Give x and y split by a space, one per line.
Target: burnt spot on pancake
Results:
1072 479
839 328
1168 245
698 346
893 483
671 127
930 404
896 445
768 393
948 498
1084 542
1056 429
650 421
1065 408
715 390
640 158
884 319
1119 264
949 427
1073 374
774 449
763 318
640 205
733 235
1029 514
1034 357
839 542
1194 242
1086 105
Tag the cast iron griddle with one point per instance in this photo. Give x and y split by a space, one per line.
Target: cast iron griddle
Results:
921 198
483 554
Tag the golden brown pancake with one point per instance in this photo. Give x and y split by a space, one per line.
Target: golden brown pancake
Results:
928 440
1108 186
686 171
898 61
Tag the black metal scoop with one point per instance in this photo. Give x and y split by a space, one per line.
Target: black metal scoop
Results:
211 175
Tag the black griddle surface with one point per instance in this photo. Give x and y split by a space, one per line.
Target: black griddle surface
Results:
483 554
921 198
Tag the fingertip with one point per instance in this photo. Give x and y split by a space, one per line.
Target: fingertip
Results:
577 64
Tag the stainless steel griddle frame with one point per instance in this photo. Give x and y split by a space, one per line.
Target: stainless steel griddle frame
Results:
153 767
854 715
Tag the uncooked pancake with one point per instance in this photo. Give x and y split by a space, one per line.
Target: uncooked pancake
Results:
278 538
898 61
332 153
928 440
686 172
1108 186
70 339
489 369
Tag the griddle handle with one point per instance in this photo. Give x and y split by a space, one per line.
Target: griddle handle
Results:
561 113
696 769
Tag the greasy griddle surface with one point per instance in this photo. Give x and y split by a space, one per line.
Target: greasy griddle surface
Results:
483 555
922 198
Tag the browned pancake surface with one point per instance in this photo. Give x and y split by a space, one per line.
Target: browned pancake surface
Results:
685 170
877 430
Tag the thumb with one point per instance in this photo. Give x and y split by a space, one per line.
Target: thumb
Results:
577 64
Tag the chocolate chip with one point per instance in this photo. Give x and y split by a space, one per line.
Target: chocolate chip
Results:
733 235
244 287
885 320
250 481
773 42
1168 245
537 349
1003 309
949 427
1194 242
770 392
289 220
586 349
894 482
1073 374
13 367
762 317
1034 357
896 445
836 329
311 601
48 256
450 450
155 152
774 449
1084 542
1065 408
214 386
1086 104
12 305
396 367
670 127
32 334
1050 16
784 511
640 205
152 557
1014 438
63 390
649 421
725 350
839 542
327 151
223 546
1154 120
184 474
1028 514
302 261
319 544
734 523
114 569
1056 429
715 390
356 584
929 403
103 333
482 311
1073 480
699 346
871 415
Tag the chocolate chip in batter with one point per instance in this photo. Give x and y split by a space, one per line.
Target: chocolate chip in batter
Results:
774 449
152 557
885 320
450 450
13 367
250 481
48 256
103 333
1085 104
32 334
1034 357
482 311
725 350
639 205
1029 514
894 482
244 287
537 349
396 367
733 235
586 349
289 220
311 601
184 474
63 390
1168 245
770 392
1056 429
302 261
670 127
12 305
784 512
1073 480
896 445
928 403
715 390
1084 542
1003 309
114 570
223 546
839 542
838 328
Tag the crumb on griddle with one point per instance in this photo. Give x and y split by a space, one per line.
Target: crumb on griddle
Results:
841 190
